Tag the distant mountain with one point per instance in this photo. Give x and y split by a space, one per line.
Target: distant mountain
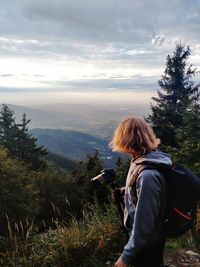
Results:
74 145
93 120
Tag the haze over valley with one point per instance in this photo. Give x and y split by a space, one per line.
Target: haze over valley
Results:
99 121
72 131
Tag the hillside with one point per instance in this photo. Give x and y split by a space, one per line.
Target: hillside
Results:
62 162
74 145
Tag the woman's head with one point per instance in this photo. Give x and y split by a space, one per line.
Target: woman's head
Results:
133 135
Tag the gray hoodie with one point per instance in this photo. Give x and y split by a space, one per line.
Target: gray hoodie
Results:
144 207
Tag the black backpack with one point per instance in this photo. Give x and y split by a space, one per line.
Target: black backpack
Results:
183 196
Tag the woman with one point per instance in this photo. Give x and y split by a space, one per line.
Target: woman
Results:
145 194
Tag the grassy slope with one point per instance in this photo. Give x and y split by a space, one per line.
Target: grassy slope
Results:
97 241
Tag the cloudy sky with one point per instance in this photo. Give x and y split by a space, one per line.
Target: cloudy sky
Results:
61 50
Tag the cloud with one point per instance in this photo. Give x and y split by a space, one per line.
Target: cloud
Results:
98 21
100 83
95 44
159 40
6 75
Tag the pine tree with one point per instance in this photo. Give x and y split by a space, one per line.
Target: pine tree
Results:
18 141
187 151
8 130
176 95
28 150
122 167
90 168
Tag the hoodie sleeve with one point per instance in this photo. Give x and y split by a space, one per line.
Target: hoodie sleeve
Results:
146 214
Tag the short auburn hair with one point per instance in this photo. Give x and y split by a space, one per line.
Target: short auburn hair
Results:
132 135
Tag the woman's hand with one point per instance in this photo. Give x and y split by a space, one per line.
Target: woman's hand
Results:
120 263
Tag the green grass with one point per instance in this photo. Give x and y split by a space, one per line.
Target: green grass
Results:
94 241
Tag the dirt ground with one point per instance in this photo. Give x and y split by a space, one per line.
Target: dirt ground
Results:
182 258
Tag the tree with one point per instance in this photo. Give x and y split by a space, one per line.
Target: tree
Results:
28 150
90 168
8 130
18 141
59 197
187 151
122 167
19 195
177 94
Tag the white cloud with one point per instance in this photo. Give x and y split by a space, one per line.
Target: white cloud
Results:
93 44
159 40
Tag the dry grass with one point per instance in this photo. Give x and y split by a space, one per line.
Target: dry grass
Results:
96 241
90 242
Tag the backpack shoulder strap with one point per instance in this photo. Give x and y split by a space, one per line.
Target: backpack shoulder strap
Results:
141 167
138 169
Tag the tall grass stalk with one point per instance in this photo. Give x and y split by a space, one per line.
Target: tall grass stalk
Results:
90 242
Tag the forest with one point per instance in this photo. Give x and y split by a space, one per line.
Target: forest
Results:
49 215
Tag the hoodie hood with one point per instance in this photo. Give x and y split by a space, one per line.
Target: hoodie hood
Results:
157 158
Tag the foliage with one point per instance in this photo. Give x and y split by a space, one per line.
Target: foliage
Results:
187 151
59 197
62 162
18 141
28 150
45 196
176 115
8 130
90 168
19 195
122 167
96 241
177 94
